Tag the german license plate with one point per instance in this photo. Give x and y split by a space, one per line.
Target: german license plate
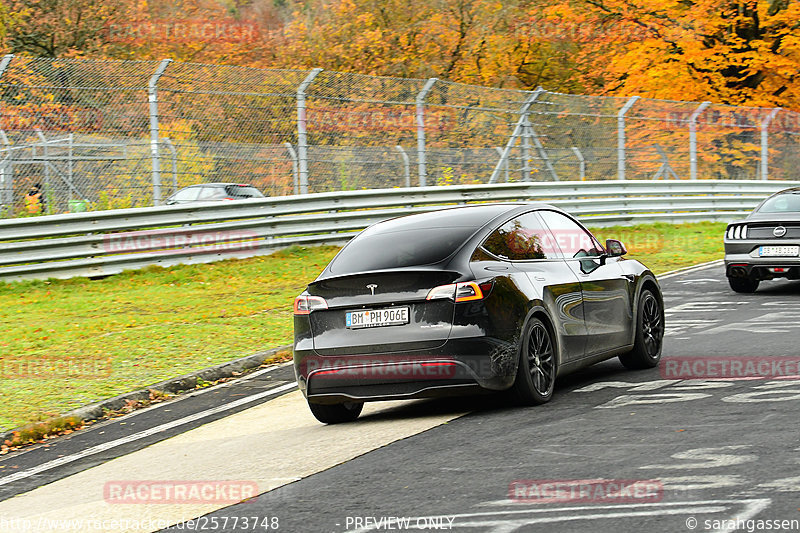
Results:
778 251
375 318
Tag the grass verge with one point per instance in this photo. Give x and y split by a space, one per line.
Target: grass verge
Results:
72 342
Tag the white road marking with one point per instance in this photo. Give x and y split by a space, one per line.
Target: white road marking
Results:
179 398
691 269
705 306
61 461
752 509
510 520
707 458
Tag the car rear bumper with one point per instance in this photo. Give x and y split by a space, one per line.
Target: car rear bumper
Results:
460 366
744 266
742 260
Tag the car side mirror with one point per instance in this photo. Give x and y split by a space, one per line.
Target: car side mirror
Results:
615 248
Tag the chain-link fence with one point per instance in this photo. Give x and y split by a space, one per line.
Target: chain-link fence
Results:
109 134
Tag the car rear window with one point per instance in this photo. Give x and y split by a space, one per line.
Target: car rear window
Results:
411 241
782 203
243 191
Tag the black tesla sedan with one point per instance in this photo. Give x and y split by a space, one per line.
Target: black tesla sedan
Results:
765 245
478 298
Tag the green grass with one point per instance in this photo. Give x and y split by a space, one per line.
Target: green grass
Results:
140 327
666 247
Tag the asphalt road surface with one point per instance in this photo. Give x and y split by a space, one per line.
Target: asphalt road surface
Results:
689 446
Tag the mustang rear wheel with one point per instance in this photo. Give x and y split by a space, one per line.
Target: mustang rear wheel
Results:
336 413
646 352
536 372
744 285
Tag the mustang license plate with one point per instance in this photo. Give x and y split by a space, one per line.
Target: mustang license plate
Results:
778 251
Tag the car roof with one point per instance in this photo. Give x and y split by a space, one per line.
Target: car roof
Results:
220 184
469 215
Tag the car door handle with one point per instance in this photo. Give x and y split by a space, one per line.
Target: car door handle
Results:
497 268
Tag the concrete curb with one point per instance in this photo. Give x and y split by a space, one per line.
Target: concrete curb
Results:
97 410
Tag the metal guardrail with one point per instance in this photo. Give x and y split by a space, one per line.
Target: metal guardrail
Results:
101 243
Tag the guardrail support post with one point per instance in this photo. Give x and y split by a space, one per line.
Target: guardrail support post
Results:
422 168
521 123
693 139
406 165
621 142
765 122
302 138
293 155
152 96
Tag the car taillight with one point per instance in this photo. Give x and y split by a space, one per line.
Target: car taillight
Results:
304 304
460 292
737 232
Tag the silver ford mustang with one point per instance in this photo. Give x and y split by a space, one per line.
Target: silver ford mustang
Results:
765 245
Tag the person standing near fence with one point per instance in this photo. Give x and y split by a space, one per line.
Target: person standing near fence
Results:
34 200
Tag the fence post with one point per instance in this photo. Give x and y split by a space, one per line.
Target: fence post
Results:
621 143
302 138
765 142
293 155
6 189
70 170
540 149
152 97
581 162
174 157
46 157
406 165
4 63
500 153
422 168
526 149
693 139
523 112
6 184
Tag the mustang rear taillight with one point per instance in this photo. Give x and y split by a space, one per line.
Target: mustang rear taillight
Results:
304 304
736 231
460 292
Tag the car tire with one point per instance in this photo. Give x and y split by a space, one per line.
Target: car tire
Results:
646 352
336 413
536 371
743 285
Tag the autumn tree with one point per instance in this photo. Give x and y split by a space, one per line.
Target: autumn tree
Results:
736 52
57 28
471 41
